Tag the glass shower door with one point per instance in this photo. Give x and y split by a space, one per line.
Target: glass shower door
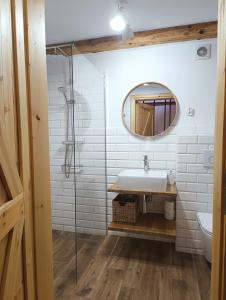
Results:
90 156
77 132
62 160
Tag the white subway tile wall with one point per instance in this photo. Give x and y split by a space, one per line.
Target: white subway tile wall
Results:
194 183
127 151
90 130
182 154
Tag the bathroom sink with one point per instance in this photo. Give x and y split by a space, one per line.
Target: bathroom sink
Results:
140 179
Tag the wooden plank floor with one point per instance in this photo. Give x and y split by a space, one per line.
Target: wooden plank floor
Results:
127 268
64 258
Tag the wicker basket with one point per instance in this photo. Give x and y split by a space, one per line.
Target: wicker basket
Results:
125 209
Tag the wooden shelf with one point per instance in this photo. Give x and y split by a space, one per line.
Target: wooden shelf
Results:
171 190
148 224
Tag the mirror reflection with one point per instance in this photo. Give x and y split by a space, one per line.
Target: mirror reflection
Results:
149 109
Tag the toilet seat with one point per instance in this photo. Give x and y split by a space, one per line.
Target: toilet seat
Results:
206 222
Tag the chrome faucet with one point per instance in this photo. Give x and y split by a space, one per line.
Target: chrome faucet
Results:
146 163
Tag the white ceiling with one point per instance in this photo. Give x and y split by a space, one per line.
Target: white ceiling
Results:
71 20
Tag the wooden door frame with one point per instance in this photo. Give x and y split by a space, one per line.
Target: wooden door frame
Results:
37 89
25 211
37 173
39 125
21 97
218 276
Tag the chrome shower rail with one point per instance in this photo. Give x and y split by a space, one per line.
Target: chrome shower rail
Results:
58 47
68 93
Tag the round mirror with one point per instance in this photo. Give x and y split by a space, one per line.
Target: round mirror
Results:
149 109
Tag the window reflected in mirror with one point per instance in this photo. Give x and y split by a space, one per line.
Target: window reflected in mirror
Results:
149 109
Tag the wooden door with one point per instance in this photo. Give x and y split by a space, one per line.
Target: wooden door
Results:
25 223
218 282
144 119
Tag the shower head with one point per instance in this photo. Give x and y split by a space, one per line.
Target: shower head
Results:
62 89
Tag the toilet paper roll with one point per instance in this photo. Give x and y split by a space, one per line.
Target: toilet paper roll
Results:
169 209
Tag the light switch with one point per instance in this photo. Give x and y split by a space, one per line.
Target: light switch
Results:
208 158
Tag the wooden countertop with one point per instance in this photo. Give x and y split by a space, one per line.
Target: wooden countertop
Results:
171 190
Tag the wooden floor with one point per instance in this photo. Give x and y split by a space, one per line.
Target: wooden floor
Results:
64 258
125 268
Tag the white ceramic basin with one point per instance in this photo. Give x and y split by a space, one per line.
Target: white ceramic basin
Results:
139 179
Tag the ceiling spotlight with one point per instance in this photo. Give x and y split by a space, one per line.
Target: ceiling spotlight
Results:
118 23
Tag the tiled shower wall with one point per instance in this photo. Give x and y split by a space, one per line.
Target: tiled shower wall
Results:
62 189
90 128
90 131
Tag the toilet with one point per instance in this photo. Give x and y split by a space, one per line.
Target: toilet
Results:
205 221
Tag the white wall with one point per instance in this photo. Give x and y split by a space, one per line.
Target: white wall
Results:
192 81
180 149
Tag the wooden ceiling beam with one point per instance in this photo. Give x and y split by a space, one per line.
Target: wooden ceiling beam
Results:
144 38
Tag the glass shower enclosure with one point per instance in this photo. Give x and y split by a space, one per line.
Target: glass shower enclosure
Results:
77 134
